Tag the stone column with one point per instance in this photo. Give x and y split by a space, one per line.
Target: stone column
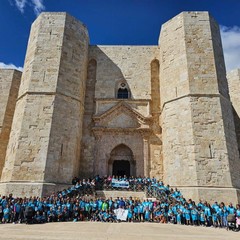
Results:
97 166
145 137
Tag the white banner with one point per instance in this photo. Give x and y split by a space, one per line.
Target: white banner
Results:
121 214
120 184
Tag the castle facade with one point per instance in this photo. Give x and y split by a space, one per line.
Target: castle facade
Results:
166 111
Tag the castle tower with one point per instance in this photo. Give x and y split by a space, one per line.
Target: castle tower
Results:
9 86
234 83
44 146
199 142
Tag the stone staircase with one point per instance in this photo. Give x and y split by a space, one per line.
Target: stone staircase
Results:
123 194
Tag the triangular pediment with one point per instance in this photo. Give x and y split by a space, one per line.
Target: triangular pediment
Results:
120 116
122 120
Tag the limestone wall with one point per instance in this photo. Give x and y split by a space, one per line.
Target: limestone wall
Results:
112 65
45 139
66 133
234 83
9 86
199 145
130 63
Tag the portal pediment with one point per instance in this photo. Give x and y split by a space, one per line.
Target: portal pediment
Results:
121 116
122 120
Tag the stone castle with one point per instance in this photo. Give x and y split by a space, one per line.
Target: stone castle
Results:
79 110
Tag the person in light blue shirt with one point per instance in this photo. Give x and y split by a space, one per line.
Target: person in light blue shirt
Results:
87 209
135 212
194 216
215 206
147 214
215 218
59 214
75 214
200 205
105 216
202 218
94 206
6 214
16 211
179 217
130 214
231 209
141 212
187 215
110 204
82 205
225 214
238 210
208 214
182 208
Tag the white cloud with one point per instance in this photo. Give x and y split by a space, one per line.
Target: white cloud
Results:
37 5
10 66
20 4
231 46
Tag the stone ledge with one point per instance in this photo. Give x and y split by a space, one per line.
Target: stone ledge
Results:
211 194
27 189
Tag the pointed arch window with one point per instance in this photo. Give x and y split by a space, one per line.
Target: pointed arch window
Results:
123 92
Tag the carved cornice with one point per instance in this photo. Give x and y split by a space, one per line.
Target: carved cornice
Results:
129 100
119 108
98 131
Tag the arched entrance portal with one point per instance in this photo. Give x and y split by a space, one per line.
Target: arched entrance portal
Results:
121 161
121 168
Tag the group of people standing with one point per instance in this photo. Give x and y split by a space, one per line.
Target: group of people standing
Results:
73 205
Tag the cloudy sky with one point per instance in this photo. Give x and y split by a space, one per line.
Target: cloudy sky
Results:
114 22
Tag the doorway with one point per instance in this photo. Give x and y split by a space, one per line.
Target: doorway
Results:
121 161
121 168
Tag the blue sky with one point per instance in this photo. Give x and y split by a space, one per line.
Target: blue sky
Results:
114 22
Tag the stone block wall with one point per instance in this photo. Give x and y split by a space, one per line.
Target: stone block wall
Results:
234 83
44 145
9 86
129 63
108 66
199 144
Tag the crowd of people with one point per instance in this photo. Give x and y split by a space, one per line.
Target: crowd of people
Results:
73 204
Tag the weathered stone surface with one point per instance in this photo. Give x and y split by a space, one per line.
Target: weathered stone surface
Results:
9 86
44 145
110 66
199 140
234 83
175 122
